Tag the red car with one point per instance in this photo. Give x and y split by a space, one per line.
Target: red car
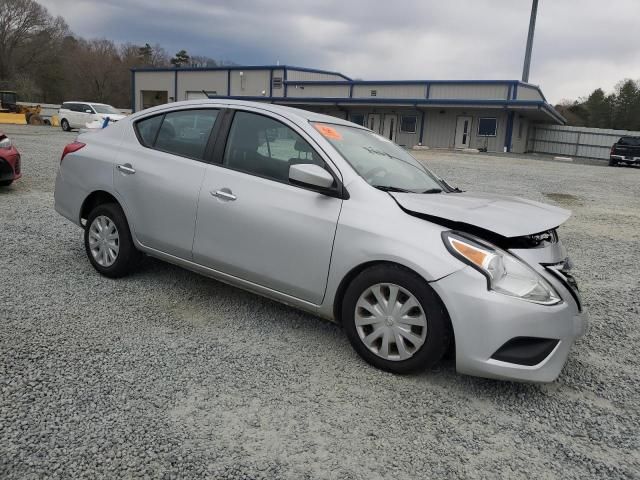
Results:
9 161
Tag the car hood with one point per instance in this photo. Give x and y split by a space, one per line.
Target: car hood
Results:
504 215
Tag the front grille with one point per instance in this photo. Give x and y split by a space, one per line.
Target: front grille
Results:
537 240
562 271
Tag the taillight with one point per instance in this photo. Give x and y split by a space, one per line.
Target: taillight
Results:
72 147
613 148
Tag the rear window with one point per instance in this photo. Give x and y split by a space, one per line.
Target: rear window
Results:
183 133
631 141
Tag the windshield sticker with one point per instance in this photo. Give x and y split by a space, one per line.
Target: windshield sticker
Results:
328 132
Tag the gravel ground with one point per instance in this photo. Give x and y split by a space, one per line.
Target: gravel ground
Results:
167 374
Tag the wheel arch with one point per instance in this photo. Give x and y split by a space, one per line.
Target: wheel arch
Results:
354 272
95 198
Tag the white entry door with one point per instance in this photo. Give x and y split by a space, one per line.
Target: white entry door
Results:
463 132
390 127
374 122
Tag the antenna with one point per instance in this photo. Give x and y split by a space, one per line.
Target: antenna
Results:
527 55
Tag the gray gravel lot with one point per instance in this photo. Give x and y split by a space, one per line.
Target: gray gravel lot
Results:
167 374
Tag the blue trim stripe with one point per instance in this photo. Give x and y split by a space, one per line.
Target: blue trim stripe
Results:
175 86
229 83
387 101
509 133
421 127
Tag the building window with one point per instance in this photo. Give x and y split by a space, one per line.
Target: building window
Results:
408 123
487 127
276 83
374 93
357 118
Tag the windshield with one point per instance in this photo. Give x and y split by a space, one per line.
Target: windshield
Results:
382 163
106 109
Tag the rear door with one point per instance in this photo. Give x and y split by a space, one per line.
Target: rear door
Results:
252 223
73 115
159 175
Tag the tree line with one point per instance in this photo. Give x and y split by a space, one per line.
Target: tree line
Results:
619 109
44 62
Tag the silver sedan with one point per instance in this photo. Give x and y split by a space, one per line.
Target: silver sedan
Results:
329 217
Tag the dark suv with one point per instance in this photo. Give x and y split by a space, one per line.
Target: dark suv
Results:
625 151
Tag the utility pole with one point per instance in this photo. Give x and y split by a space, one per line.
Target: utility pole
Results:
527 55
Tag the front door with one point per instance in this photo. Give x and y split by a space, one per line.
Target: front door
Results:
374 122
255 225
159 178
463 132
390 127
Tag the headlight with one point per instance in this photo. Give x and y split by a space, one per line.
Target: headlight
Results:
506 274
5 143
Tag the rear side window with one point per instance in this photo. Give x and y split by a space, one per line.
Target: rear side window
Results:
631 141
148 129
183 133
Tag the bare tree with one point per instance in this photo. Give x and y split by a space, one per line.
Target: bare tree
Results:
23 26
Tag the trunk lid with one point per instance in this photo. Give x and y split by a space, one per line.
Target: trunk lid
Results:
501 214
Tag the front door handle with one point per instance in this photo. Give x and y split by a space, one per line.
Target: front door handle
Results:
224 194
126 168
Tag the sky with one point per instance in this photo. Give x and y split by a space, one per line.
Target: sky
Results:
579 45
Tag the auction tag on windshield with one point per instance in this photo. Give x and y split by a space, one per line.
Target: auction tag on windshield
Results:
327 131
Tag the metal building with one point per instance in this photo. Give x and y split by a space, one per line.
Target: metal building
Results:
486 114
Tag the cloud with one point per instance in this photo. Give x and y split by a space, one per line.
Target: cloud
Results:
579 44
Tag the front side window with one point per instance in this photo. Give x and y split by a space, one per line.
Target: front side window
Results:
263 146
408 123
84 108
184 133
487 127
382 163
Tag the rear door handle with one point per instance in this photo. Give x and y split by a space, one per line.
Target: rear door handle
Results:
126 168
224 194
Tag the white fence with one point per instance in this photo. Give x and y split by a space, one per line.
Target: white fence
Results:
574 141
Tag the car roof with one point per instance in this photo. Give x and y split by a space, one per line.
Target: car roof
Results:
285 111
82 101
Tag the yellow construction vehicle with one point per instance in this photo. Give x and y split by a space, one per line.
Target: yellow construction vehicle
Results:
11 112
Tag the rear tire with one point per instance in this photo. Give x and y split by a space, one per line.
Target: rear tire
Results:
65 125
108 242
396 307
5 183
613 163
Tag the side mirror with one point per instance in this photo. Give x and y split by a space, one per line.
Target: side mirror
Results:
88 111
310 175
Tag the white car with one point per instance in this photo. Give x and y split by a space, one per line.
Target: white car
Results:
82 114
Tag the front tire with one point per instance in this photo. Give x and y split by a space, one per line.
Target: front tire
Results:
5 183
64 123
394 320
108 242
